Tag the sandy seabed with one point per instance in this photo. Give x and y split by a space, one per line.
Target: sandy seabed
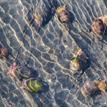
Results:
49 51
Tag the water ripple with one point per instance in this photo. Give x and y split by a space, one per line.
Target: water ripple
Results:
49 51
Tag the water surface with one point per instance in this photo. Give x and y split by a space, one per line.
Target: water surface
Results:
49 50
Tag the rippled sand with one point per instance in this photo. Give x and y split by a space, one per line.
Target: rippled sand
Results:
49 50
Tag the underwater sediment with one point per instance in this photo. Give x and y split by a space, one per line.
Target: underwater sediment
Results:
48 51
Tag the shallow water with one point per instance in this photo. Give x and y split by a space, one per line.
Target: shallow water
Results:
49 50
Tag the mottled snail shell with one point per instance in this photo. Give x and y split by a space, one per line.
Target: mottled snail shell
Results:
64 18
63 14
38 20
88 88
98 26
3 52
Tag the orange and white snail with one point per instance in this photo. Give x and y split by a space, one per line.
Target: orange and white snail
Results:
63 14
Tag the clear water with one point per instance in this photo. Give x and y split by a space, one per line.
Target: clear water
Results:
49 50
